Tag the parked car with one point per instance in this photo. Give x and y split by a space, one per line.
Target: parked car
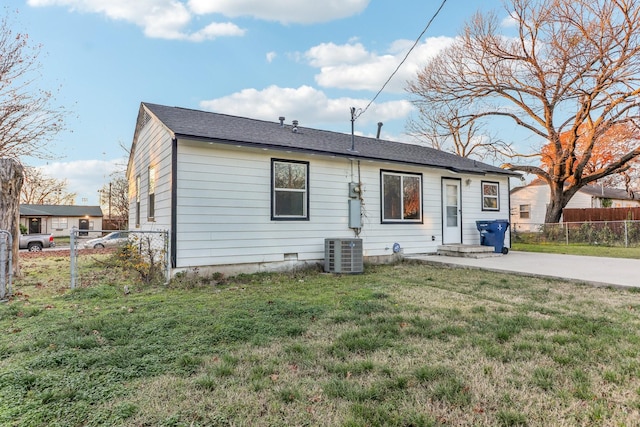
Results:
36 242
116 238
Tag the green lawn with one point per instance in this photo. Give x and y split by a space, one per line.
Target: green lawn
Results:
400 345
588 250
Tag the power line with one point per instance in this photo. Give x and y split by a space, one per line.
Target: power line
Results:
403 60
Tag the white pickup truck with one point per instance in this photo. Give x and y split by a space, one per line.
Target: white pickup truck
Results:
36 242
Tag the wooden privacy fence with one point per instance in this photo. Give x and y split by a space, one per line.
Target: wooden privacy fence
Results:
601 214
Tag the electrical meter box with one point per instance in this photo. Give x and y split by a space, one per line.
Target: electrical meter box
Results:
355 220
354 190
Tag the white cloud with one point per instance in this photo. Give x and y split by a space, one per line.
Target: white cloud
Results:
330 54
84 177
271 56
164 19
509 22
283 11
351 66
215 30
307 105
170 19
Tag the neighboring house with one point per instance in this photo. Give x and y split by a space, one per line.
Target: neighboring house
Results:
529 202
59 219
238 194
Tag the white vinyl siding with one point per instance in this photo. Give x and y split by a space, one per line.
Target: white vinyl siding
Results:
61 226
537 196
153 148
137 203
472 202
224 208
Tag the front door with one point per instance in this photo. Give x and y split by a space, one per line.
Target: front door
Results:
83 224
451 212
34 225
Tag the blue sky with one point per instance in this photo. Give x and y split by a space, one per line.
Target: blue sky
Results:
308 60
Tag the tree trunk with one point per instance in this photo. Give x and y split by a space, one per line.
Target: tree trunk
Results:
558 199
11 179
554 211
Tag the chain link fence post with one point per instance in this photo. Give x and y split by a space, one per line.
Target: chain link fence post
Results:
626 235
6 264
73 254
165 235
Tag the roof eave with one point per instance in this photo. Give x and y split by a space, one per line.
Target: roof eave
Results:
346 154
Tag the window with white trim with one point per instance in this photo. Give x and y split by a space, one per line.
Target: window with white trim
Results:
152 193
490 196
137 190
525 211
401 197
290 190
59 223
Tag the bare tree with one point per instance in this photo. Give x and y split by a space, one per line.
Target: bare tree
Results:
11 179
114 197
629 180
447 131
574 65
39 189
28 121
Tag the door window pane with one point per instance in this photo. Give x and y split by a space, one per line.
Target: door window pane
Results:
452 205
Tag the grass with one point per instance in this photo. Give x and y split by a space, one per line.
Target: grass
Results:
400 345
573 249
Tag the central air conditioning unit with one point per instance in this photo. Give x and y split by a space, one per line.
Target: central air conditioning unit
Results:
343 256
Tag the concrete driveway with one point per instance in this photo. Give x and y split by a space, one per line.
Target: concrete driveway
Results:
616 272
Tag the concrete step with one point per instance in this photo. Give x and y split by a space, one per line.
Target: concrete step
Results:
467 251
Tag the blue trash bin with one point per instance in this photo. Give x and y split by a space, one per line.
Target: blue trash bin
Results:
492 234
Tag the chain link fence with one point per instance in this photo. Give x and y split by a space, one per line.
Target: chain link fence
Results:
605 233
98 256
6 264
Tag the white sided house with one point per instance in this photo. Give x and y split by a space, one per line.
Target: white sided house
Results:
529 202
59 220
242 195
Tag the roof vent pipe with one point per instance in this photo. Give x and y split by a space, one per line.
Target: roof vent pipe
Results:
281 118
379 128
295 126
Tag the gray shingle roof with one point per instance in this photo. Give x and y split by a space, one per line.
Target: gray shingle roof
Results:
594 190
60 210
609 193
187 123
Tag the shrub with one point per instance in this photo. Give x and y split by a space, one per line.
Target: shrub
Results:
142 255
